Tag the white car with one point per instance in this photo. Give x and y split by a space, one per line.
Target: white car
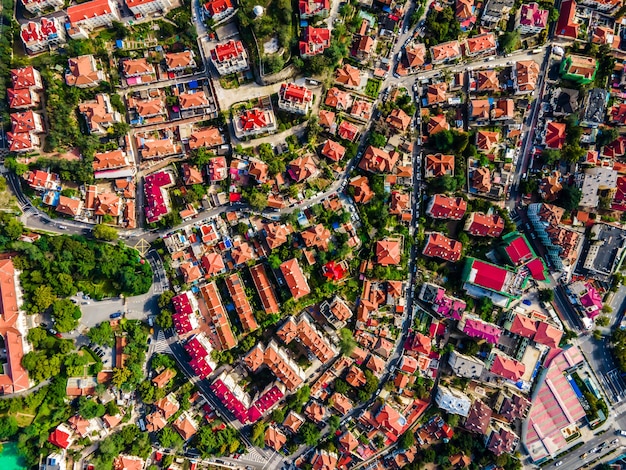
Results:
559 463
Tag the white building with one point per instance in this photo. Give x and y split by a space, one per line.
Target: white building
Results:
93 14
54 461
37 6
452 401
147 7
295 98
43 35
466 366
230 57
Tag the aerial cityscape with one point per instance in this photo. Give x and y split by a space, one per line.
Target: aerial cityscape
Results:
312 234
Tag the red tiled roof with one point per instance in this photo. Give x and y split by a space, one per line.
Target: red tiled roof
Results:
294 277
507 367
567 26
440 246
484 225
388 252
523 326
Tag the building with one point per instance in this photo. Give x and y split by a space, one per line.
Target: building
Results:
13 376
531 19
596 101
437 123
333 150
567 26
55 461
436 93
439 165
40 180
347 131
483 279
157 199
362 190
278 362
314 41
93 14
452 401
445 52
468 367
554 135
486 140
336 98
388 252
481 45
255 121
195 100
579 69
474 327
148 7
605 251
441 206
217 10
264 289
138 71
440 246
560 243
484 225
217 316
111 160
36 7
507 367
376 160
502 440
295 279
478 418
180 61
302 330
26 83
525 76
550 186
207 137
230 57
43 35
324 460
99 114
83 71
24 129
303 168
398 120
128 462
415 55
240 300
295 98
310 8
496 11
349 76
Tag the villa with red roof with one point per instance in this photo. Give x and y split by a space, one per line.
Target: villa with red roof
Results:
26 83
483 279
347 131
567 27
230 57
523 326
295 98
295 279
93 14
441 206
25 127
474 327
483 44
388 252
517 250
40 36
377 160
333 150
440 246
484 225
507 367
439 165
157 198
310 8
531 19
314 41
251 122
61 437
217 10
548 335
554 136
445 52
180 61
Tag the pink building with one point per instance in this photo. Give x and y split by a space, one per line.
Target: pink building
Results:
532 19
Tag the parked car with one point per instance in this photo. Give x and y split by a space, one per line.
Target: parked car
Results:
115 315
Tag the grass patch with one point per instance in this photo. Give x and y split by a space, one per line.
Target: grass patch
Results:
229 82
23 419
372 87
97 291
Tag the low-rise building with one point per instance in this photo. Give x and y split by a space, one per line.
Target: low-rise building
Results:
230 57
49 32
83 72
445 52
314 41
440 246
481 45
217 10
255 121
531 19
295 98
179 61
99 114
148 7
93 14
452 401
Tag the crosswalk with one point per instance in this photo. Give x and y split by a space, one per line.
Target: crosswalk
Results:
161 345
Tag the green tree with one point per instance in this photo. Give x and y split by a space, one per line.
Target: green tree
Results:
169 438
334 422
164 319
546 295
346 341
66 315
602 320
102 334
309 434
442 141
42 298
89 409
407 440
377 140
569 197
165 299
104 232
8 427
510 41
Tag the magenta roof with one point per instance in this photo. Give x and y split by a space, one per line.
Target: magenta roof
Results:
518 250
477 328
537 269
230 401
532 15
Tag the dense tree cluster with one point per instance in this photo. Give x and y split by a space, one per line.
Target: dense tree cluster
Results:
441 26
216 442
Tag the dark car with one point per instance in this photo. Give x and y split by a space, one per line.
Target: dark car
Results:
115 315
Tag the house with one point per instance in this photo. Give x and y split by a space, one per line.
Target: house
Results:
99 114
478 418
567 27
26 83
111 160
452 401
293 421
138 71
440 246
36 7
336 98
68 206
278 362
376 160
107 204
324 460
437 123
550 186
49 32
157 203
439 165
481 179
362 191
441 206
579 69
217 10
507 367
179 61
486 140
242 304
401 205
314 41
347 131
194 100
61 437
415 55
464 10
310 8
596 101
258 170
83 71
148 7
207 137
525 76
485 279
388 252
484 225
480 111
483 44
146 109
255 121
164 378
496 11
504 109
22 142
436 93
216 316
158 148
554 136
24 129
218 170
40 180
274 438
303 168
295 279
230 57
469 367
487 81
186 426
398 119
349 76
531 19
93 14
502 440
445 52
361 109
326 118
316 236
302 330
264 289
333 150
364 48
295 98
